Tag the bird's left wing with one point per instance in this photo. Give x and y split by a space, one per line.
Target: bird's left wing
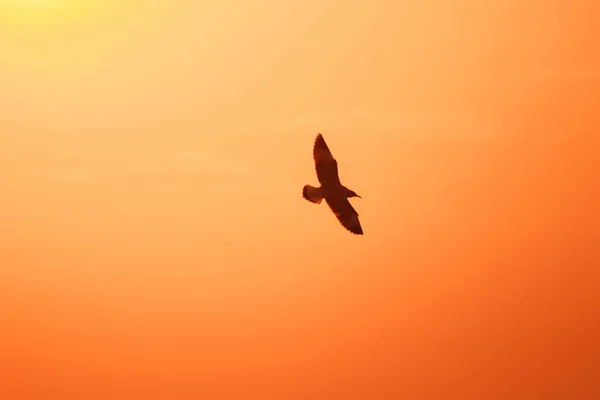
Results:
346 214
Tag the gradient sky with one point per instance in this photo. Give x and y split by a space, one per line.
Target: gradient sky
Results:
154 240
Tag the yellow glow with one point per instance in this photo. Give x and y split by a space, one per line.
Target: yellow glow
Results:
35 13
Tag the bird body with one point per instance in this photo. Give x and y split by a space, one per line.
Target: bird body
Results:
335 194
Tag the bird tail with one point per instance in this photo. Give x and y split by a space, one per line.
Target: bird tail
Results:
312 194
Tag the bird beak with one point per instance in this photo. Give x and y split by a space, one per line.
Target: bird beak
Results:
358 196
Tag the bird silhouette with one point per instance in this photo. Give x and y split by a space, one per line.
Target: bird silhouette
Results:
335 194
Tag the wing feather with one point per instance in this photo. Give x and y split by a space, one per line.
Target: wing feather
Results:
346 214
325 165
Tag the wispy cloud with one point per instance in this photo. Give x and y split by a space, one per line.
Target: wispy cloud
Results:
455 124
69 175
174 162
375 115
195 161
569 73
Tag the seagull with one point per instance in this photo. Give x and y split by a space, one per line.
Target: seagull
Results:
335 194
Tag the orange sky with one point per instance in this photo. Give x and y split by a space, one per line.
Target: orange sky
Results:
155 243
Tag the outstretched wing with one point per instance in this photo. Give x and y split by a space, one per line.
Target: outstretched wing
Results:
345 213
325 164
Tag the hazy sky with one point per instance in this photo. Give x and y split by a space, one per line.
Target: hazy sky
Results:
155 243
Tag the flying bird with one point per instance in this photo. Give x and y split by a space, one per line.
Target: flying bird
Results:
335 194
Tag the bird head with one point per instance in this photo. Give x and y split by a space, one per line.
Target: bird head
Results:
352 193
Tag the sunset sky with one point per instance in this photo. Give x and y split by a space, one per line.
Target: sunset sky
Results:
154 241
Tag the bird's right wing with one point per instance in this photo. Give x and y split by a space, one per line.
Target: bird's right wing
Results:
325 164
346 214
